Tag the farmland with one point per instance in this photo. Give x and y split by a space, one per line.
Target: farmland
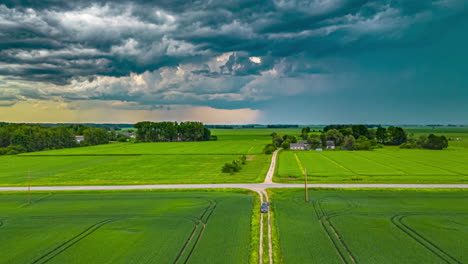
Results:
372 226
227 144
122 169
382 165
139 163
151 227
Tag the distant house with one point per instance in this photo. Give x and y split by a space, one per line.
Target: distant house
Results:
129 134
300 145
79 139
330 144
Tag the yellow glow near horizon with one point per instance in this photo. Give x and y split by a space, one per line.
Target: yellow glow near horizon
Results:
40 111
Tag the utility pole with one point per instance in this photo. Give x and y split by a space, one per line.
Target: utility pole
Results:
29 187
305 186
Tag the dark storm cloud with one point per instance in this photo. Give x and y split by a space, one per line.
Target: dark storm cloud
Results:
196 52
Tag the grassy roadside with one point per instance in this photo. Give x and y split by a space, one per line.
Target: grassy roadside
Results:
254 229
365 216
277 251
232 190
255 219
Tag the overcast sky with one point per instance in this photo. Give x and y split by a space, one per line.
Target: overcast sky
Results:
228 62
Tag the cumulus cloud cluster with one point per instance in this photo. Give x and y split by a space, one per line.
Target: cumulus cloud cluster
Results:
224 54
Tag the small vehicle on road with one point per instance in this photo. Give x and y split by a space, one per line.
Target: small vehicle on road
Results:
264 207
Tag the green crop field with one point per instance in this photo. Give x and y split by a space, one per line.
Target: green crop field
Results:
372 226
227 144
120 169
139 163
126 227
390 164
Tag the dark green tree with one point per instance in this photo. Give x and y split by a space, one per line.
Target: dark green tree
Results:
435 142
20 139
335 136
381 135
348 142
268 149
362 143
396 135
314 141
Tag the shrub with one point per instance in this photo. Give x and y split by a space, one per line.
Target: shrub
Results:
122 139
231 168
285 144
243 159
268 149
409 146
12 150
362 143
435 142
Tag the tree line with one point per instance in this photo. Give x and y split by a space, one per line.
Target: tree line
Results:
359 137
172 131
20 138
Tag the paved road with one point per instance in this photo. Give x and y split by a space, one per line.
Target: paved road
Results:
251 186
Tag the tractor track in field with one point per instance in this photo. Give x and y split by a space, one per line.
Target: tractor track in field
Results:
338 243
340 165
201 232
404 173
397 221
433 166
72 241
201 223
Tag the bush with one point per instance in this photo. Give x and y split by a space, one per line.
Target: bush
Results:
231 167
409 146
434 142
243 159
268 149
285 145
123 139
428 142
12 150
213 138
362 143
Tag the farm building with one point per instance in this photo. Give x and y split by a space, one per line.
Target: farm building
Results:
129 134
300 145
79 139
330 144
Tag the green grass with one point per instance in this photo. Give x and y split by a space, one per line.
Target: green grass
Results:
127 170
266 132
387 165
390 164
372 226
227 144
141 163
126 227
